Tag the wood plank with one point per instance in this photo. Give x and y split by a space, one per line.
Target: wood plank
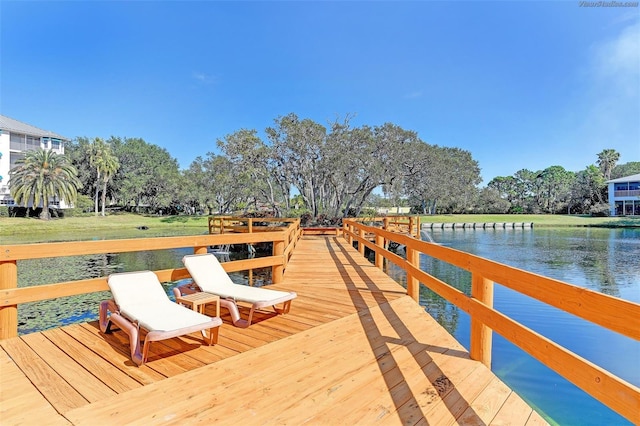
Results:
487 404
536 419
74 373
53 387
91 337
22 403
111 376
514 412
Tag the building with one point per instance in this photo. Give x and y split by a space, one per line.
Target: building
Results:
624 196
16 138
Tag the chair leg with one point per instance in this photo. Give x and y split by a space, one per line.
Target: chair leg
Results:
285 308
213 336
231 306
134 336
250 316
145 350
106 306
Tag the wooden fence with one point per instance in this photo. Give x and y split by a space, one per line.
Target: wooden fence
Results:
226 224
283 240
615 314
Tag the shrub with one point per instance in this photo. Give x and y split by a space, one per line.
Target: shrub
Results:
305 219
599 210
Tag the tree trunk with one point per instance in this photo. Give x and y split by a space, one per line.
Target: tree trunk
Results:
104 196
44 215
95 198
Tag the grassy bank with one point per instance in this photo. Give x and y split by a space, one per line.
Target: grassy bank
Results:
119 225
127 225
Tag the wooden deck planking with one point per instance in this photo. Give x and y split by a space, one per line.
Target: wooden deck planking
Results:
90 387
53 387
354 347
22 403
110 375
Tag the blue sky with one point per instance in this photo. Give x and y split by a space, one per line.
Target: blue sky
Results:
518 84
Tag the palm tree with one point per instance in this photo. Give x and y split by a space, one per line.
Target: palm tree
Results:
42 175
110 166
106 165
96 158
607 160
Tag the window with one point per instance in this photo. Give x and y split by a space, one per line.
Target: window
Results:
619 208
17 141
622 186
628 208
13 157
33 143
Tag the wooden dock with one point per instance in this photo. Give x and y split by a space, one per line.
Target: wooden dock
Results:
477 225
355 348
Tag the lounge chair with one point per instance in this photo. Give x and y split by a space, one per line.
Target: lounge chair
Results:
139 301
209 275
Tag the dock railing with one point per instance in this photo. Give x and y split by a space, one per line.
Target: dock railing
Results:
226 224
283 240
615 314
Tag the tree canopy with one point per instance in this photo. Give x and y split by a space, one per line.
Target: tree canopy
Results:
333 169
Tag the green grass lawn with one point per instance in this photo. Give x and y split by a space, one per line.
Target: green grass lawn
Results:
195 225
125 221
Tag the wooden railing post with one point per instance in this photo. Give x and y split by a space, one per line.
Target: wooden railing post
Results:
481 335
200 250
413 285
277 271
361 234
8 314
379 262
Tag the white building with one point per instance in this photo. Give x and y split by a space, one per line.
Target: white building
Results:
16 138
624 196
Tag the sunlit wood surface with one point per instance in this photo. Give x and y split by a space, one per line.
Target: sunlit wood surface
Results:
353 349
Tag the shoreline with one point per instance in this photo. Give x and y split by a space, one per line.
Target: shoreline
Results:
129 225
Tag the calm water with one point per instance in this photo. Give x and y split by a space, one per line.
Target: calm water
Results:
600 259
604 260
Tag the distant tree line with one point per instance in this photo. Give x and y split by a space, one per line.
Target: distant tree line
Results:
337 170
556 190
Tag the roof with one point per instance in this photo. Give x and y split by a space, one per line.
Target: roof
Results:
625 179
16 126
